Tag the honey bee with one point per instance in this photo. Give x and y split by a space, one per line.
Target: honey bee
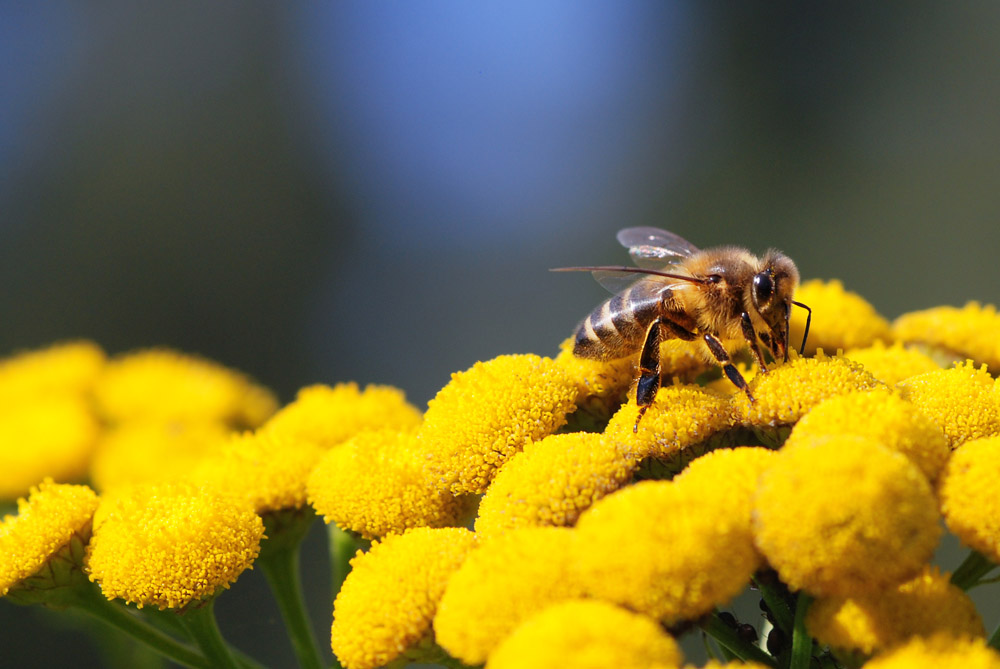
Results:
726 297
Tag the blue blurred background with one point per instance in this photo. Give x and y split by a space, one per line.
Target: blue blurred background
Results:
321 192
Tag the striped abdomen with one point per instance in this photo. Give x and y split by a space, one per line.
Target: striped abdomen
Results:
617 327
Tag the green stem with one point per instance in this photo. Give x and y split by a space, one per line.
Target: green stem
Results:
973 568
729 639
343 546
281 569
994 641
200 623
774 597
802 643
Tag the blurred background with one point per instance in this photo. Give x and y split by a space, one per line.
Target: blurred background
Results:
325 192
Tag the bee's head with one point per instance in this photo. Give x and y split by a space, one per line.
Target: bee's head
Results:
771 292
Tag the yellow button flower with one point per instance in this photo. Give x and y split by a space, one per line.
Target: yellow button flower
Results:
267 470
843 515
66 368
375 483
671 551
331 415
970 332
787 392
841 319
165 385
391 595
49 436
940 651
45 522
679 417
502 582
892 364
969 491
586 634
490 412
923 606
149 451
168 545
552 481
960 400
885 417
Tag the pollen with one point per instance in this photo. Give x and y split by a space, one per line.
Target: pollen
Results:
390 597
894 363
940 651
969 491
960 400
490 412
841 319
587 634
970 332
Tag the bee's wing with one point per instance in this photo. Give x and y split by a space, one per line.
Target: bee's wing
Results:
616 279
653 247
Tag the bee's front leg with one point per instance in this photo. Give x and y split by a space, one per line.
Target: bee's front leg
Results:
719 351
751 336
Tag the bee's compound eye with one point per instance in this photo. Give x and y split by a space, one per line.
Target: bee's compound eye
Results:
763 287
714 278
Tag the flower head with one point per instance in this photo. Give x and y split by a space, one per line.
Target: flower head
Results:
66 368
586 634
502 582
49 436
960 400
940 651
885 417
969 490
375 483
149 451
670 551
841 319
45 522
267 470
970 332
389 599
168 545
679 417
922 606
490 412
787 392
828 511
552 481
159 384
892 364
329 415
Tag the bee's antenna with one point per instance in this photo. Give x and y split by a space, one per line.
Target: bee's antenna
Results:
805 334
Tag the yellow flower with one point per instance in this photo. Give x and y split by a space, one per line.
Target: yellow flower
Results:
50 436
843 515
668 550
841 319
885 417
331 415
960 400
375 483
165 385
787 392
265 469
168 545
970 332
502 582
149 451
389 599
940 651
45 522
923 606
552 481
490 412
66 368
735 664
586 634
679 417
892 364
969 490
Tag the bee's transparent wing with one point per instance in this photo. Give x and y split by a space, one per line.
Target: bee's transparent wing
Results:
654 248
617 278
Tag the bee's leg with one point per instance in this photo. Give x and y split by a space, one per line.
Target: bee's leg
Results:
649 371
719 351
751 336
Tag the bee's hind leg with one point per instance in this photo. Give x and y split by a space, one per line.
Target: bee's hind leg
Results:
649 371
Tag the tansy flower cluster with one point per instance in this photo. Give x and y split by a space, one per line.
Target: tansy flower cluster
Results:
525 519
